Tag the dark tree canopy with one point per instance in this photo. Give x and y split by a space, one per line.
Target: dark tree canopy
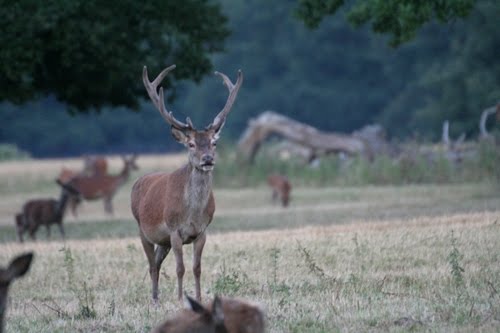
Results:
90 53
398 18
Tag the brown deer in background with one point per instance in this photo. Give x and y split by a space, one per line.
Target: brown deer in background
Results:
38 212
281 188
92 166
95 165
223 315
104 186
175 208
17 268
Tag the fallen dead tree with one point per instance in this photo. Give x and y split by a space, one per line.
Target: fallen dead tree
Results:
366 142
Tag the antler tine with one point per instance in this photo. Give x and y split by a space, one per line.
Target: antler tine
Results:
158 98
233 92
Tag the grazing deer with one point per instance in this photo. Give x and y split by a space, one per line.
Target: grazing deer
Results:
173 209
281 188
103 186
17 268
46 212
223 315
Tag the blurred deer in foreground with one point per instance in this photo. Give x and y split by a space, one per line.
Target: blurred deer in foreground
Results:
281 188
104 186
17 268
173 209
92 166
223 315
38 212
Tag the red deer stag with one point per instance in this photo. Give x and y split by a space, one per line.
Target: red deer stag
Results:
175 208
223 315
38 212
17 268
104 186
281 188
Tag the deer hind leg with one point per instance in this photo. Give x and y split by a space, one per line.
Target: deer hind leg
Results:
61 230
274 196
176 242
198 245
108 205
149 249
47 226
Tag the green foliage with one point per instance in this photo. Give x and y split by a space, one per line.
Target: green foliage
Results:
229 282
335 78
85 295
90 53
454 259
399 19
12 152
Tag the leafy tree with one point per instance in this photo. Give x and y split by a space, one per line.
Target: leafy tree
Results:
90 53
398 18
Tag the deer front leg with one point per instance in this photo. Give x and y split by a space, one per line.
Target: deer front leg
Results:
176 242
149 249
47 226
198 245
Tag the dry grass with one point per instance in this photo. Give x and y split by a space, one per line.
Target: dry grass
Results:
340 259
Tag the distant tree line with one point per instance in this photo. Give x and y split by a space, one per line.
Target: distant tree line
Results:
335 77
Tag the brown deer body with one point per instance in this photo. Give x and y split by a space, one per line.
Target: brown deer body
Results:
173 209
95 165
223 315
92 166
38 212
17 268
281 188
103 186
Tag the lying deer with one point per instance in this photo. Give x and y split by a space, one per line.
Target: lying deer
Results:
17 268
223 315
281 188
173 209
103 186
38 212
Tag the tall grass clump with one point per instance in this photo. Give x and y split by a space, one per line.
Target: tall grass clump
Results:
84 294
480 165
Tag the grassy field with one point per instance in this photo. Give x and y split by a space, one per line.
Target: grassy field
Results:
378 259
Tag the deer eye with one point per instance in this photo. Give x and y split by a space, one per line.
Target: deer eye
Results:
214 144
191 145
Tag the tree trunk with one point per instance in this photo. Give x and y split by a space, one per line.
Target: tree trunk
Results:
319 142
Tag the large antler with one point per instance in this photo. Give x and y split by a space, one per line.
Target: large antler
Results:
158 99
233 92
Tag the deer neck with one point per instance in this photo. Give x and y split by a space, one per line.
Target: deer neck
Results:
198 187
123 176
62 203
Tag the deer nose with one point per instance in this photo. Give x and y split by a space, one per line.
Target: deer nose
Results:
207 159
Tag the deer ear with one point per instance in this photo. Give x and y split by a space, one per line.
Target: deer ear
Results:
194 305
217 311
180 136
219 129
20 265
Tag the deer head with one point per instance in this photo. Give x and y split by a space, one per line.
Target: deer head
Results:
130 162
200 143
17 268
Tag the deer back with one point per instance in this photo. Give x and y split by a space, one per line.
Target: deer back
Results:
39 211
